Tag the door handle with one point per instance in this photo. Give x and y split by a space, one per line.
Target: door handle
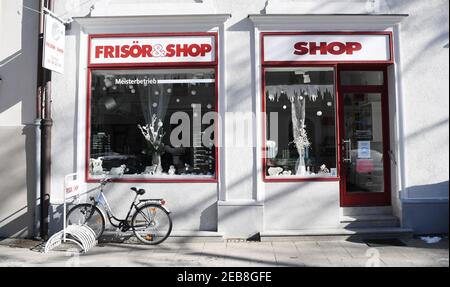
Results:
347 150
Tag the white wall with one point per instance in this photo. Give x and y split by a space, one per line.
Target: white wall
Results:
241 187
422 111
425 92
305 205
18 51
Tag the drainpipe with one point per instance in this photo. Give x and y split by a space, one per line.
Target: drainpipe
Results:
37 174
44 116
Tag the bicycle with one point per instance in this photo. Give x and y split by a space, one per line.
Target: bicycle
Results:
151 222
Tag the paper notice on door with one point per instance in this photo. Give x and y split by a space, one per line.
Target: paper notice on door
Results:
363 149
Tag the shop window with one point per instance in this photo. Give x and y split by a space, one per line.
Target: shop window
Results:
300 123
152 123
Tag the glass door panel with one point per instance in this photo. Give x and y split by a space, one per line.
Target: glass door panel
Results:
363 142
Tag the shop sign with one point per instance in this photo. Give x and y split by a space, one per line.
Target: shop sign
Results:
53 48
74 186
333 47
134 50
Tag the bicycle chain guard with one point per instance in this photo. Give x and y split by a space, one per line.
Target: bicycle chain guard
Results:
124 226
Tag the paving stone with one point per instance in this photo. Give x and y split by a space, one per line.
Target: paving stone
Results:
311 253
334 252
286 254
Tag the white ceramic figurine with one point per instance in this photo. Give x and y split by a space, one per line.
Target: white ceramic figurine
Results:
118 171
96 165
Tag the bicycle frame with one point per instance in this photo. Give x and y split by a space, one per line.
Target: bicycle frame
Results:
103 202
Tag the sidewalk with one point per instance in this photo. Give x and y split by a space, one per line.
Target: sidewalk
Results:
231 253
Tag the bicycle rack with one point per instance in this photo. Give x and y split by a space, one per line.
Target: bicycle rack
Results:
81 235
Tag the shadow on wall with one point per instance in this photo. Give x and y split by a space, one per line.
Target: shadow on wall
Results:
18 70
16 224
428 190
17 136
426 208
17 186
208 218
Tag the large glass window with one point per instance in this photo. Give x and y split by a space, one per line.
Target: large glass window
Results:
301 130
152 123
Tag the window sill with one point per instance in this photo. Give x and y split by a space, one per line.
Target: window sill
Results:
298 179
159 179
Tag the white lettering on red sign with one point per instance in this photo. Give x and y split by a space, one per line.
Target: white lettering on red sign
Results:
327 47
152 49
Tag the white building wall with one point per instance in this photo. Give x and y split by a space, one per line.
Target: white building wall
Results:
18 51
240 201
425 110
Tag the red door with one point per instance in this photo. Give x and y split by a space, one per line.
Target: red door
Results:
364 136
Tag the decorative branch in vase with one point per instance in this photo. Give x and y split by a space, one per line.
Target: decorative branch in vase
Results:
153 134
300 135
301 142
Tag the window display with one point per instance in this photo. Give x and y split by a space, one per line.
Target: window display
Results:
300 130
147 123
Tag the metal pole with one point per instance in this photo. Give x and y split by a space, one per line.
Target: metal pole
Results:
46 133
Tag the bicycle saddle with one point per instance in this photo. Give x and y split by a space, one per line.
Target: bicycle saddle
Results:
139 191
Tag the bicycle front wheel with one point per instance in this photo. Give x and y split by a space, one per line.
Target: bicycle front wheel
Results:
87 214
151 224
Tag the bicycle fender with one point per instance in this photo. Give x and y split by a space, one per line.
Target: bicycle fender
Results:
165 208
103 213
158 204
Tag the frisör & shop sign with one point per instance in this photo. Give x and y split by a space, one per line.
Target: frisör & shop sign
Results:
327 47
112 49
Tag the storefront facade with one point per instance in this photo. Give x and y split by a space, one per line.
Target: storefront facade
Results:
250 121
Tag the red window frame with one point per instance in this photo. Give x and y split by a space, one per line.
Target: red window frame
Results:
294 178
134 66
336 65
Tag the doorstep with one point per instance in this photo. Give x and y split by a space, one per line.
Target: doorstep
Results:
337 234
368 221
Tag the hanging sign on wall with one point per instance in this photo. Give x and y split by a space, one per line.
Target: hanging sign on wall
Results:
151 49
53 47
327 47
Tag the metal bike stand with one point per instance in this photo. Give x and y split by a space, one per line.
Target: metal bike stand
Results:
81 235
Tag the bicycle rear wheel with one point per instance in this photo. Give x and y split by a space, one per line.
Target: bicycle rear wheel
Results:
87 214
151 224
